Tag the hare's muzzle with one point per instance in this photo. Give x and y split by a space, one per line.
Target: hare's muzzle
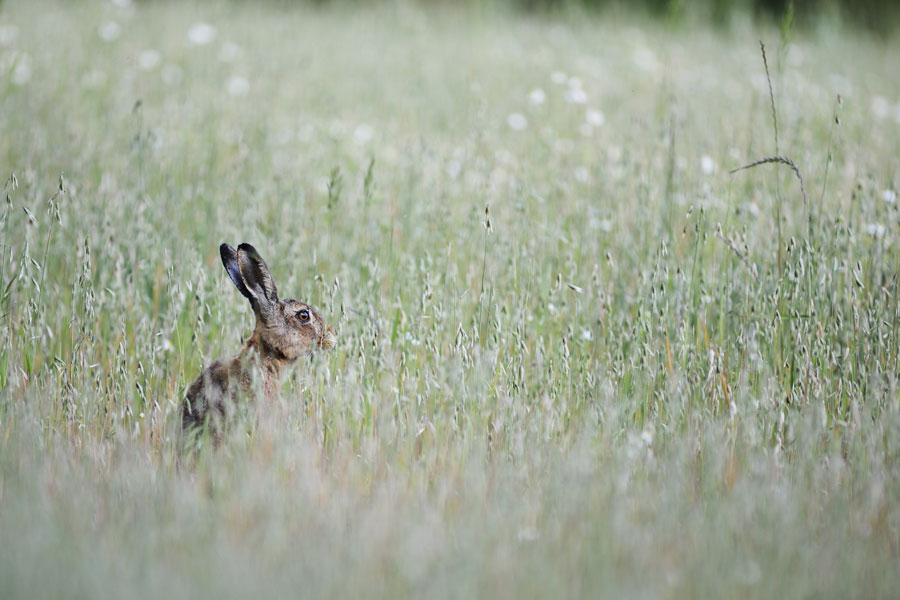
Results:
328 338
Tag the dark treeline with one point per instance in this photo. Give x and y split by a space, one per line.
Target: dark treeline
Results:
879 16
882 16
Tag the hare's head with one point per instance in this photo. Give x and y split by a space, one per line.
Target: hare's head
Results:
286 328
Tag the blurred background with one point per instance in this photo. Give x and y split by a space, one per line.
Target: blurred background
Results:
577 354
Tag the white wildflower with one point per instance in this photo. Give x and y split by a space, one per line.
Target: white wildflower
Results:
876 230
93 79
582 175
22 73
149 59
595 118
362 134
171 74
110 31
229 52
517 122
880 107
576 96
645 59
537 96
201 34
238 86
8 34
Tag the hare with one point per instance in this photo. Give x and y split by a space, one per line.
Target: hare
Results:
285 330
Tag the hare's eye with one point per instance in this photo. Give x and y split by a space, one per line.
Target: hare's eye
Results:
303 315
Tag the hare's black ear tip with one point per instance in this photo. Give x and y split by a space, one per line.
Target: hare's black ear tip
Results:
227 252
250 251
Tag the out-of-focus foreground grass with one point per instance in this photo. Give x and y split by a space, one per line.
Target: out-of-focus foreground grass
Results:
634 375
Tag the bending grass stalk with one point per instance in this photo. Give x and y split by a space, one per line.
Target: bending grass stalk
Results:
784 160
762 48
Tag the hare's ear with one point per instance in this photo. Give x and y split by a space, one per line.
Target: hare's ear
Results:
256 276
229 259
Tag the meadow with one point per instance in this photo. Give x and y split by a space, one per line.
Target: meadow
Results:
576 356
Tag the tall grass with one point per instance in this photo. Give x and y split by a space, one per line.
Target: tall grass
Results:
606 384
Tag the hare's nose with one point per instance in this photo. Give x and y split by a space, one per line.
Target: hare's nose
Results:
329 339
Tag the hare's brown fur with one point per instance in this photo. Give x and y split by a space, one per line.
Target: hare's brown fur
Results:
285 330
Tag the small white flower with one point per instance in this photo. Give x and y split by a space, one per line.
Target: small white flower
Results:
362 134
149 60
645 59
93 79
503 156
601 224
8 34
647 437
306 133
454 168
564 146
537 96
614 153
707 165
558 77
753 209
796 56
586 334
110 31
22 73
201 34
528 534
880 107
595 118
171 74
167 345
238 86
576 96
582 175
517 122
876 230
230 52
889 196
